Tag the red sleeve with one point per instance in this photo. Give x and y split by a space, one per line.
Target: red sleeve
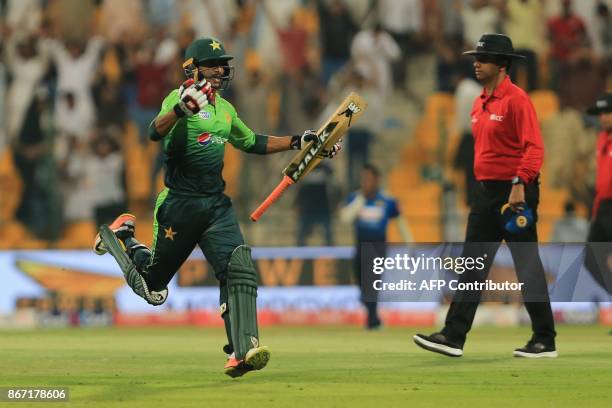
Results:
528 131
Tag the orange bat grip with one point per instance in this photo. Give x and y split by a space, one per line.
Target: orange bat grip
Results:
274 195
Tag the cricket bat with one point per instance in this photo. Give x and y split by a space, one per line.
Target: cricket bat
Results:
311 155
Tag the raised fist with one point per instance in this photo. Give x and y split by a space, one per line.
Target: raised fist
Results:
193 98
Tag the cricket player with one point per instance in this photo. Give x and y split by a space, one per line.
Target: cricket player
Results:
508 156
194 124
370 209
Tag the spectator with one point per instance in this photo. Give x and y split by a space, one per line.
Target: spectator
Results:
523 23
376 48
73 19
479 16
337 30
35 167
448 18
109 198
110 106
120 19
314 205
297 80
76 183
211 17
151 87
293 40
448 40
571 146
570 228
403 19
571 71
362 78
72 116
24 16
27 64
76 64
162 13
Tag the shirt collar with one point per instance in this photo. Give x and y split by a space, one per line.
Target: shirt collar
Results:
500 90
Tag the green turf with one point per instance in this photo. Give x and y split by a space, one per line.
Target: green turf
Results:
310 367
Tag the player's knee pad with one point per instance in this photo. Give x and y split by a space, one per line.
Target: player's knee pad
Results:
242 301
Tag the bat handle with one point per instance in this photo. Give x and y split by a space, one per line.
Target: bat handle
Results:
274 195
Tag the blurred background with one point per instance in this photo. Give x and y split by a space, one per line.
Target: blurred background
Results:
80 80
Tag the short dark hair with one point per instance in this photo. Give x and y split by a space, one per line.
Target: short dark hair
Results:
504 62
372 168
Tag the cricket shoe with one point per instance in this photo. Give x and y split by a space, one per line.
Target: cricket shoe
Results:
255 359
438 343
536 350
123 227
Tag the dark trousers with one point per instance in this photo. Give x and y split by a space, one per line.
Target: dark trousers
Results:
485 231
597 254
307 223
180 223
365 278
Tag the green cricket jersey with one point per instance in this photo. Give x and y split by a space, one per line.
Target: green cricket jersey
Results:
195 146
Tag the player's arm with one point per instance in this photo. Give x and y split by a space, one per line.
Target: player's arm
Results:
267 144
192 98
243 138
351 209
161 125
275 144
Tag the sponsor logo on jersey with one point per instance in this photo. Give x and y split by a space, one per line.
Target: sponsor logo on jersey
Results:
497 118
204 115
204 139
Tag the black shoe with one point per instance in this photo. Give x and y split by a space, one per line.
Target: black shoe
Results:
375 325
536 350
438 343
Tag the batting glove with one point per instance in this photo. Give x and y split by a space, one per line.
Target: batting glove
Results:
331 153
194 98
298 142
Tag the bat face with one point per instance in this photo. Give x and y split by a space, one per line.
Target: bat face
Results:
338 123
296 169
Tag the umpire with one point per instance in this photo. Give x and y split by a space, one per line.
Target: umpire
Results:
508 155
597 255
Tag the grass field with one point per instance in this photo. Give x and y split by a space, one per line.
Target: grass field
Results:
313 367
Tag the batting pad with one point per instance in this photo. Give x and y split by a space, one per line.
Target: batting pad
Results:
242 301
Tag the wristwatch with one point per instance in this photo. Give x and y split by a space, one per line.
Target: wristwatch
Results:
517 180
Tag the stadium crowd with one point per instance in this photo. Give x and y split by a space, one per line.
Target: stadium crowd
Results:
76 76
